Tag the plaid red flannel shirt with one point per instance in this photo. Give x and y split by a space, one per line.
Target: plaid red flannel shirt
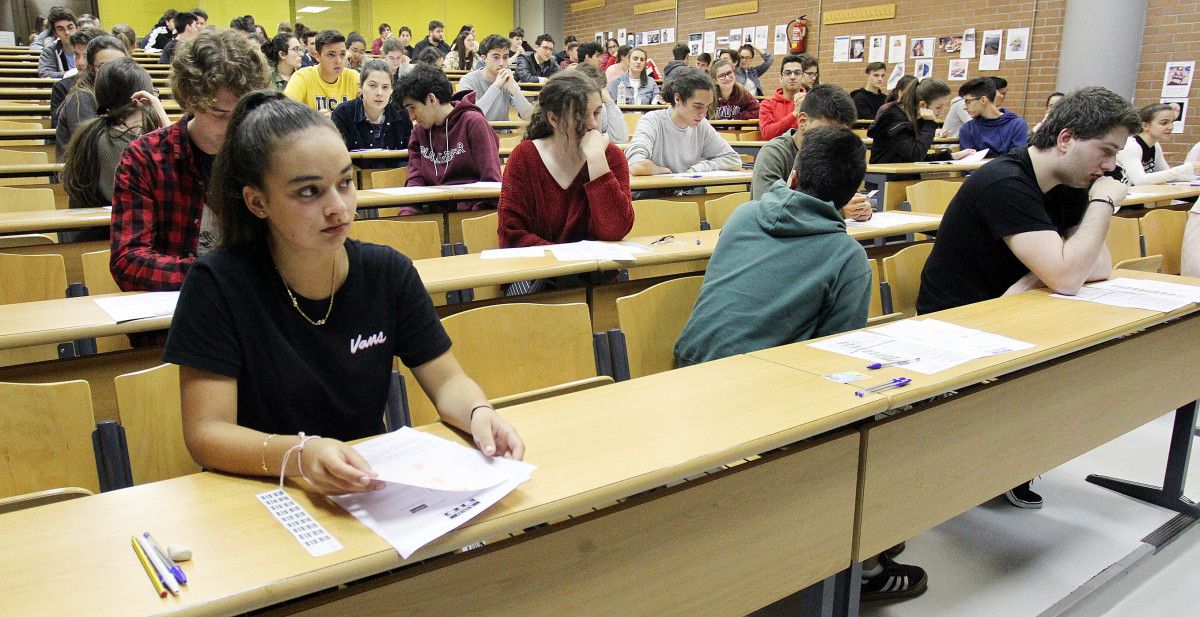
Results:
158 198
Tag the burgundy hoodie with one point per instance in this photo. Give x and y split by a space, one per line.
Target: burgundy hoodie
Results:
462 149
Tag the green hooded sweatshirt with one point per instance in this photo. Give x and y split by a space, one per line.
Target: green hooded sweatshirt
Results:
784 270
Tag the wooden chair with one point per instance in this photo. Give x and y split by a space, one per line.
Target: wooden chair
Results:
660 217
46 437
717 211
1150 263
417 240
510 141
931 196
1124 238
29 278
148 403
902 272
41 498
21 240
26 199
631 120
389 178
650 322
96 274
479 234
1163 233
876 308
17 157
513 348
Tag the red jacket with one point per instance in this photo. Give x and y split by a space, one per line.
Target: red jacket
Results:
775 116
461 150
741 106
534 210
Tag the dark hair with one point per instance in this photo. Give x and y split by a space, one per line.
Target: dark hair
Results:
284 28
383 26
593 73
587 50
806 61
126 34
466 61
831 164
1052 95
435 24
685 81
734 57
166 17
183 20
1147 113
518 31
569 38
404 29
371 66
831 103
430 56
117 82
875 66
566 96
542 38
260 120
611 41
83 36
1089 113
1000 82
979 87
705 57
242 24
573 45
329 37
681 51
466 28
87 78
645 67
422 81
902 84
747 47
493 41
201 13
623 51
59 13
276 46
355 37
924 91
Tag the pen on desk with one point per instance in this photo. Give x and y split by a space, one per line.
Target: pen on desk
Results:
154 579
879 365
176 571
898 382
159 566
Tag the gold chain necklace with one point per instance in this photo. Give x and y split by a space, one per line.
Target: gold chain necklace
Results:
332 293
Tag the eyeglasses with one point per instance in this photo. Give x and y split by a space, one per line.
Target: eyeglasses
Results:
725 75
812 73
793 73
298 49
967 100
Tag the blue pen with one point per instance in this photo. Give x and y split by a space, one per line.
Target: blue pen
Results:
879 365
898 382
173 567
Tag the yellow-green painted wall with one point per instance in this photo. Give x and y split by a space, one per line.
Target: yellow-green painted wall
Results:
143 14
488 16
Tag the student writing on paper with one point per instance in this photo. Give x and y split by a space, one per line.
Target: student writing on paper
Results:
733 101
1035 216
904 131
992 128
824 105
680 138
451 143
1141 161
290 327
798 73
565 182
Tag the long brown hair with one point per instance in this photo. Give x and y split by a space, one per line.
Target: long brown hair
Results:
925 91
565 95
738 92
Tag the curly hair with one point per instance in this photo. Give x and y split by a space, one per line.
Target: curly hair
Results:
216 60
566 96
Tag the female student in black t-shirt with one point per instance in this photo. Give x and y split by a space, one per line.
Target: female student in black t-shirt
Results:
903 132
289 329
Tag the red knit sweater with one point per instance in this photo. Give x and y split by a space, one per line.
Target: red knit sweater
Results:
534 210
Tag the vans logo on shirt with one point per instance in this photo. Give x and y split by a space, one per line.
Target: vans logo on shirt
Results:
358 343
443 158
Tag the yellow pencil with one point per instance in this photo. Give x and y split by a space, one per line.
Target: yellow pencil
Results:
158 586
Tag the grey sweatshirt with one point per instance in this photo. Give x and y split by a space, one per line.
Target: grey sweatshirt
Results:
774 162
612 123
494 101
697 148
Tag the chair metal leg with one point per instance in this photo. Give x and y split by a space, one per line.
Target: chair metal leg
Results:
1170 496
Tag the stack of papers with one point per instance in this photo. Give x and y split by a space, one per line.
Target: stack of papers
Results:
139 306
1138 293
926 346
433 486
892 219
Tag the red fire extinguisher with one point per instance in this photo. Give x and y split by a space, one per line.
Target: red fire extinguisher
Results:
798 35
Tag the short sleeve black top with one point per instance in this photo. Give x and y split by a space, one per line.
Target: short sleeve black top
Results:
970 261
235 318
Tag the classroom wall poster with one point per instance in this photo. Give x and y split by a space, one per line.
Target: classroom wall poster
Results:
858 47
968 44
1018 44
600 38
735 39
1177 79
631 39
894 78
922 47
710 42
923 68
897 48
878 50
722 43
1181 105
651 38
761 37
958 69
989 56
638 39
781 40
841 49
668 35
748 35
950 44
608 36
621 36
696 43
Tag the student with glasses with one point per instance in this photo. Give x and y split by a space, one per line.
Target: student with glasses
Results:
610 54
749 74
538 65
732 102
778 114
284 52
904 131
991 127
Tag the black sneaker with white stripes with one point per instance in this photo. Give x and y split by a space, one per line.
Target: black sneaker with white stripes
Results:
897 581
1023 497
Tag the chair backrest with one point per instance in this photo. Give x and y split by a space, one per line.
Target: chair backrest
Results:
514 348
902 271
389 178
651 321
26 200
718 210
149 406
11 125
417 240
29 278
46 437
96 274
41 498
510 141
19 240
1150 263
1124 238
660 217
931 196
876 308
18 157
481 233
631 120
1163 232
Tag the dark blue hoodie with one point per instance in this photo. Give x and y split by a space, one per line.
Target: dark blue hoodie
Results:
999 135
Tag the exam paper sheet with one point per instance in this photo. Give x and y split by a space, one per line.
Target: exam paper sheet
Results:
513 253
1146 294
924 346
891 219
140 306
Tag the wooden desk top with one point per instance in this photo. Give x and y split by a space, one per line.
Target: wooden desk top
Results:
922 168
590 447
734 123
43 109
16 134
359 155
53 220
1156 195
33 323
31 170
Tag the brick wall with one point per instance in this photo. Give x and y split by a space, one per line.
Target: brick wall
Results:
1172 34
1030 81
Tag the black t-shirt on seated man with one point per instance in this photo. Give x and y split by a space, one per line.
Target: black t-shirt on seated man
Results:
235 318
970 261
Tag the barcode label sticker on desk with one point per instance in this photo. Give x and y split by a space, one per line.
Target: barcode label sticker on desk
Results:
308 532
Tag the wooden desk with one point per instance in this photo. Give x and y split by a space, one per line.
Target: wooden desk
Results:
43 94
1159 195
892 178
36 170
40 110
25 134
687 547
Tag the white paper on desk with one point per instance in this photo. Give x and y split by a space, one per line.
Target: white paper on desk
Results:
139 306
590 250
1138 293
939 333
409 517
925 346
716 173
891 219
513 253
415 458
979 155
475 185
410 190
